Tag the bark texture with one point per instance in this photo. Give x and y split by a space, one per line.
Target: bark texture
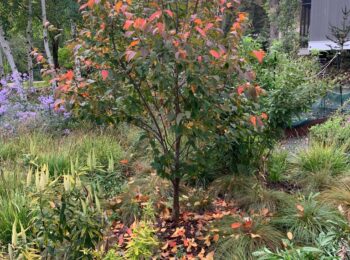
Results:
9 56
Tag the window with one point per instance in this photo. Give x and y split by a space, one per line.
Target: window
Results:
305 22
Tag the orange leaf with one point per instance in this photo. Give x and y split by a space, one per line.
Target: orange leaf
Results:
264 116
215 54
140 23
198 21
236 225
125 161
134 43
118 6
104 74
129 2
260 55
179 232
300 208
69 75
253 120
91 3
155 15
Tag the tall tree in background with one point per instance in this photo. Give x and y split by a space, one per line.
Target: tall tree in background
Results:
4 44
29 36
46 24
273 13
2 69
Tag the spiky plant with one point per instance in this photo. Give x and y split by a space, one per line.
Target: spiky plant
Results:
308 218
240 237
316 167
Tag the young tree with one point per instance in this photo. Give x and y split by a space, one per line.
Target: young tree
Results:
169 68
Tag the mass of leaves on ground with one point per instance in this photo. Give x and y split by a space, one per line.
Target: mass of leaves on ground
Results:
163 141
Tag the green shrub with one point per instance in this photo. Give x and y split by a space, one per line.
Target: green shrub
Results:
67 220
335 131
13 205
143 242
308 219
277 166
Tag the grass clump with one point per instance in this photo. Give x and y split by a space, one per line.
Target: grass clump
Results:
277 166
308 219
241 237
317 167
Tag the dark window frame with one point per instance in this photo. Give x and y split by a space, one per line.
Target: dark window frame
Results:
305 19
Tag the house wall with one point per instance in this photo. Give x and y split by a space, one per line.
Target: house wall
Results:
323 14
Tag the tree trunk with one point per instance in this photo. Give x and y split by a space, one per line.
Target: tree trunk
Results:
176 200
274 32
8 53
55 47
29 33
46 35
2 68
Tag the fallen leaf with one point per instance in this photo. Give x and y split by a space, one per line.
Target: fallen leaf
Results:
236 225
290 235
255 235
104 74
300 208
215 54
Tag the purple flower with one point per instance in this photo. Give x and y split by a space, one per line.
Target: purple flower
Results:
47 102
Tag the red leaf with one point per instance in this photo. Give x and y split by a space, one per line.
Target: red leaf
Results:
215 54
260 55
69 75
91 3
240 90
264 116
253 120
170 13
155 15
236 225
104 74
201 31
127 24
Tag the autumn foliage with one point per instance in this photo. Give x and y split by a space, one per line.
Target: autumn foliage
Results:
172 69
